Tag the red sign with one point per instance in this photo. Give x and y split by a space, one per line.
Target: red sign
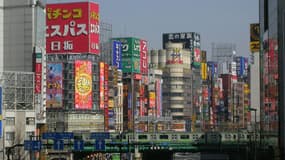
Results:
72 28
38 82
83 84
143 57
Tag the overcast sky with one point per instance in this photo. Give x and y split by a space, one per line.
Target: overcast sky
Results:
215 20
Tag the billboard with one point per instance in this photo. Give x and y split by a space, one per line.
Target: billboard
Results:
72 28
106 96
130 46
196 58
54 85
83 84
254 37
187 38
143 57
117 54
101 87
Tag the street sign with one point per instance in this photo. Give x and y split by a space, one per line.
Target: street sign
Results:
27 145
36 145
56 135
58 144
48 135
78 145
100 135
32 145
100 145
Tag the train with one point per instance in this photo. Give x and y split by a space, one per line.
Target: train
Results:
192 138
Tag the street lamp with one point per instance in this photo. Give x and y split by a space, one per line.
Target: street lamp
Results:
254 109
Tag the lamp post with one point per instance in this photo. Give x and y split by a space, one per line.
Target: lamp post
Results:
254 109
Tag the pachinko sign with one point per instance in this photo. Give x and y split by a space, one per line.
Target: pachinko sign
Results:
72 28
83 84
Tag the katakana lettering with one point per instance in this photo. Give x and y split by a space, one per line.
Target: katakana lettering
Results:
56 30
82 29
66 14
53 13
69 29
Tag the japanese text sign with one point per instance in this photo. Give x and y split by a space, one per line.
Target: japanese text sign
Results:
72 28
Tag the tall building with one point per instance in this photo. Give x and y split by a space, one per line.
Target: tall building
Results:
223 54
177 91
272 18
22 27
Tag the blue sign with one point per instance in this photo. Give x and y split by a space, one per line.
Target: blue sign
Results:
117 54
58 144
100 135
78 145
100 145
32 145
28 145
37 145
56 135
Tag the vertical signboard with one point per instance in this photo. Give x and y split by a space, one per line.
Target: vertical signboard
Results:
143 57
197 57
38 73
117 54
54 85
254 37
152 103
101 82
72 28
1 93
106 96
83 84
158 99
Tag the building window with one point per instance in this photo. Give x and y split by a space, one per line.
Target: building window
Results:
10 121
10 136
30 121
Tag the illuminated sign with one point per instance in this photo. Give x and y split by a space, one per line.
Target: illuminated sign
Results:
101 82
72 28
83 84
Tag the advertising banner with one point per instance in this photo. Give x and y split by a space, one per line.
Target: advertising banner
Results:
72 28
101 87
54 85
117 54
143 57
83 84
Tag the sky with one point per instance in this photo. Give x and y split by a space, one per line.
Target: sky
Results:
217 21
